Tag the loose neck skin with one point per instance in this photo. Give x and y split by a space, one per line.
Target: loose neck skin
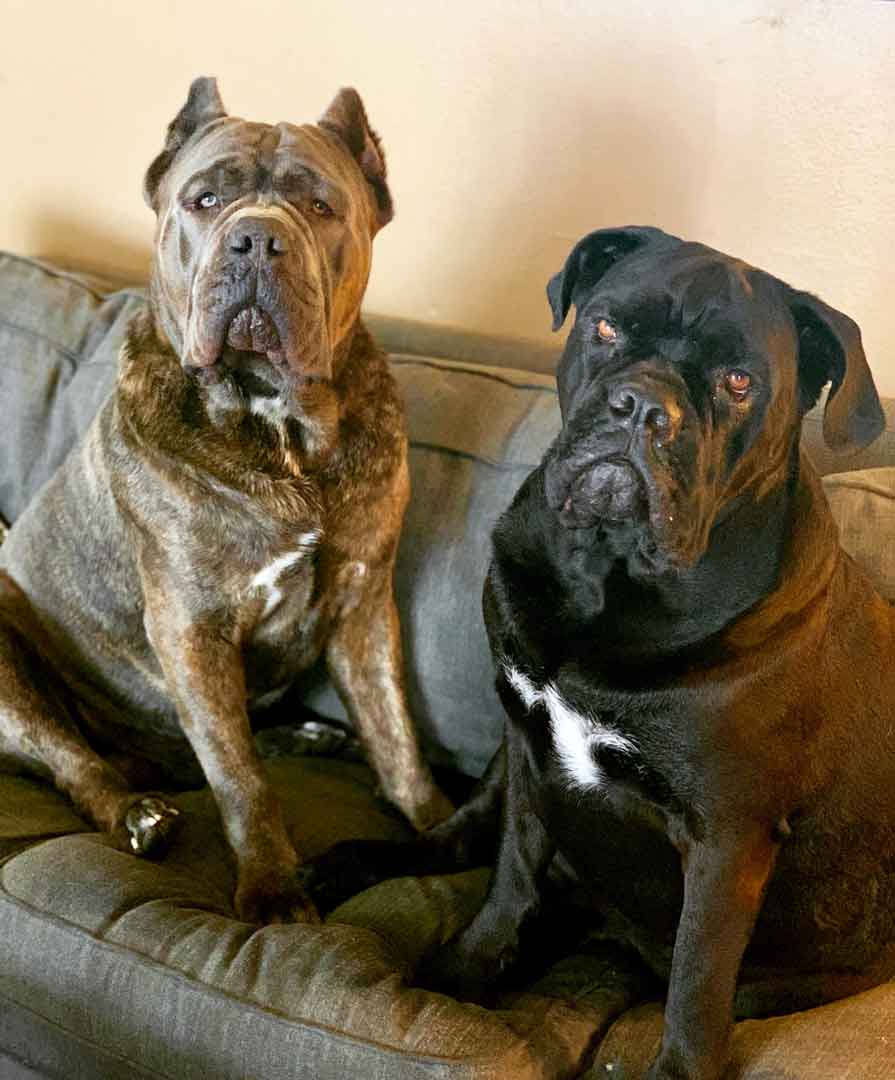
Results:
643 618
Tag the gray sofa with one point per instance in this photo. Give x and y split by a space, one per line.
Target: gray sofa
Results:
112 967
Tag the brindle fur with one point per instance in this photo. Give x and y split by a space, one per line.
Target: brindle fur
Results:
131 618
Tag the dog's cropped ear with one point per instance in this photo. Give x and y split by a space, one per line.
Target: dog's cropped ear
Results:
202 106
347 119
589 260
830 350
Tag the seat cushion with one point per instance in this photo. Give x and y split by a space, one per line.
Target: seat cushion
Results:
849 1038
148 958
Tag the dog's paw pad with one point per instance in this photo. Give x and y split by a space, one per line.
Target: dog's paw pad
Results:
150 823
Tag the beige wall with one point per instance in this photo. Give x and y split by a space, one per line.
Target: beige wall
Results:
764 127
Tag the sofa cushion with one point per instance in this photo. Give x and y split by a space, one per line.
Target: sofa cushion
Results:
863 504
59 340
149 959
848 1038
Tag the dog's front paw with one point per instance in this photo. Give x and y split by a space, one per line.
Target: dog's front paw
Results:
148 825
673 1065
268 898
352 866
467 969
432 810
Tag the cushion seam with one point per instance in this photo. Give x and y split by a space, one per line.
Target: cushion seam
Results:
110 1051
466 368
72 357
503 466
57 272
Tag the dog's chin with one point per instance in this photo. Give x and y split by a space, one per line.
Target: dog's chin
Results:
257 374
247 329
625 512
254 335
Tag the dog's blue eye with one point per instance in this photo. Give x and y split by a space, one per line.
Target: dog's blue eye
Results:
207 200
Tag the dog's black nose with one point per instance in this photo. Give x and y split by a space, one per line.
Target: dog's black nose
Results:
647 405
257 237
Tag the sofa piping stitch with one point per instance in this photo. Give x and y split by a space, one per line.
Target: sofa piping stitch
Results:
72 357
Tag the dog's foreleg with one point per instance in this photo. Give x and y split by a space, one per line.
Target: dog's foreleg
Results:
39 734
206 679
468 838
364 659
489 946
724 884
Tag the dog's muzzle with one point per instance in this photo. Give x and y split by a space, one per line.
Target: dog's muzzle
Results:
609 491
607 477
260 291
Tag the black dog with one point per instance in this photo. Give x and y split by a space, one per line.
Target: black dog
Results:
698 681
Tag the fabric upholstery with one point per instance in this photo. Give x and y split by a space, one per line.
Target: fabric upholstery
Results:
852 1039
863 503
148 957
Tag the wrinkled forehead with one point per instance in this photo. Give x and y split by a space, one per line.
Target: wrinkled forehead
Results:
262 155
693 292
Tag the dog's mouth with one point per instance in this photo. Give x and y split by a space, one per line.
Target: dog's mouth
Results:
626 508
254 331
610 491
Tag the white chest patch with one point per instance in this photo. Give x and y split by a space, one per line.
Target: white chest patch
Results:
273 409
575 737
268 577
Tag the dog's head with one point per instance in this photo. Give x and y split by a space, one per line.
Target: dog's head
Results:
264 235
682 387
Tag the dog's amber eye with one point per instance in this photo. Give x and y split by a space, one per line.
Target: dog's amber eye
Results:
321 208
207 200
606 332
738 383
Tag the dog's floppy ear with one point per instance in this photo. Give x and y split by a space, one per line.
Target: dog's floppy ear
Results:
347 119
589 260
202 106
830 350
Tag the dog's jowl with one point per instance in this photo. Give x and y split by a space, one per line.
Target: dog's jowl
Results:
233 513
698 682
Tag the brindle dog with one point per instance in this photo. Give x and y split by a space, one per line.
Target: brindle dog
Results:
233 513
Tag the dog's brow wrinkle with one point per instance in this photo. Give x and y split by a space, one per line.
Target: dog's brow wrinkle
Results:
232 170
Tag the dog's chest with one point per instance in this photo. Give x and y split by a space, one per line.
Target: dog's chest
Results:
276 595
270 585
579 740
